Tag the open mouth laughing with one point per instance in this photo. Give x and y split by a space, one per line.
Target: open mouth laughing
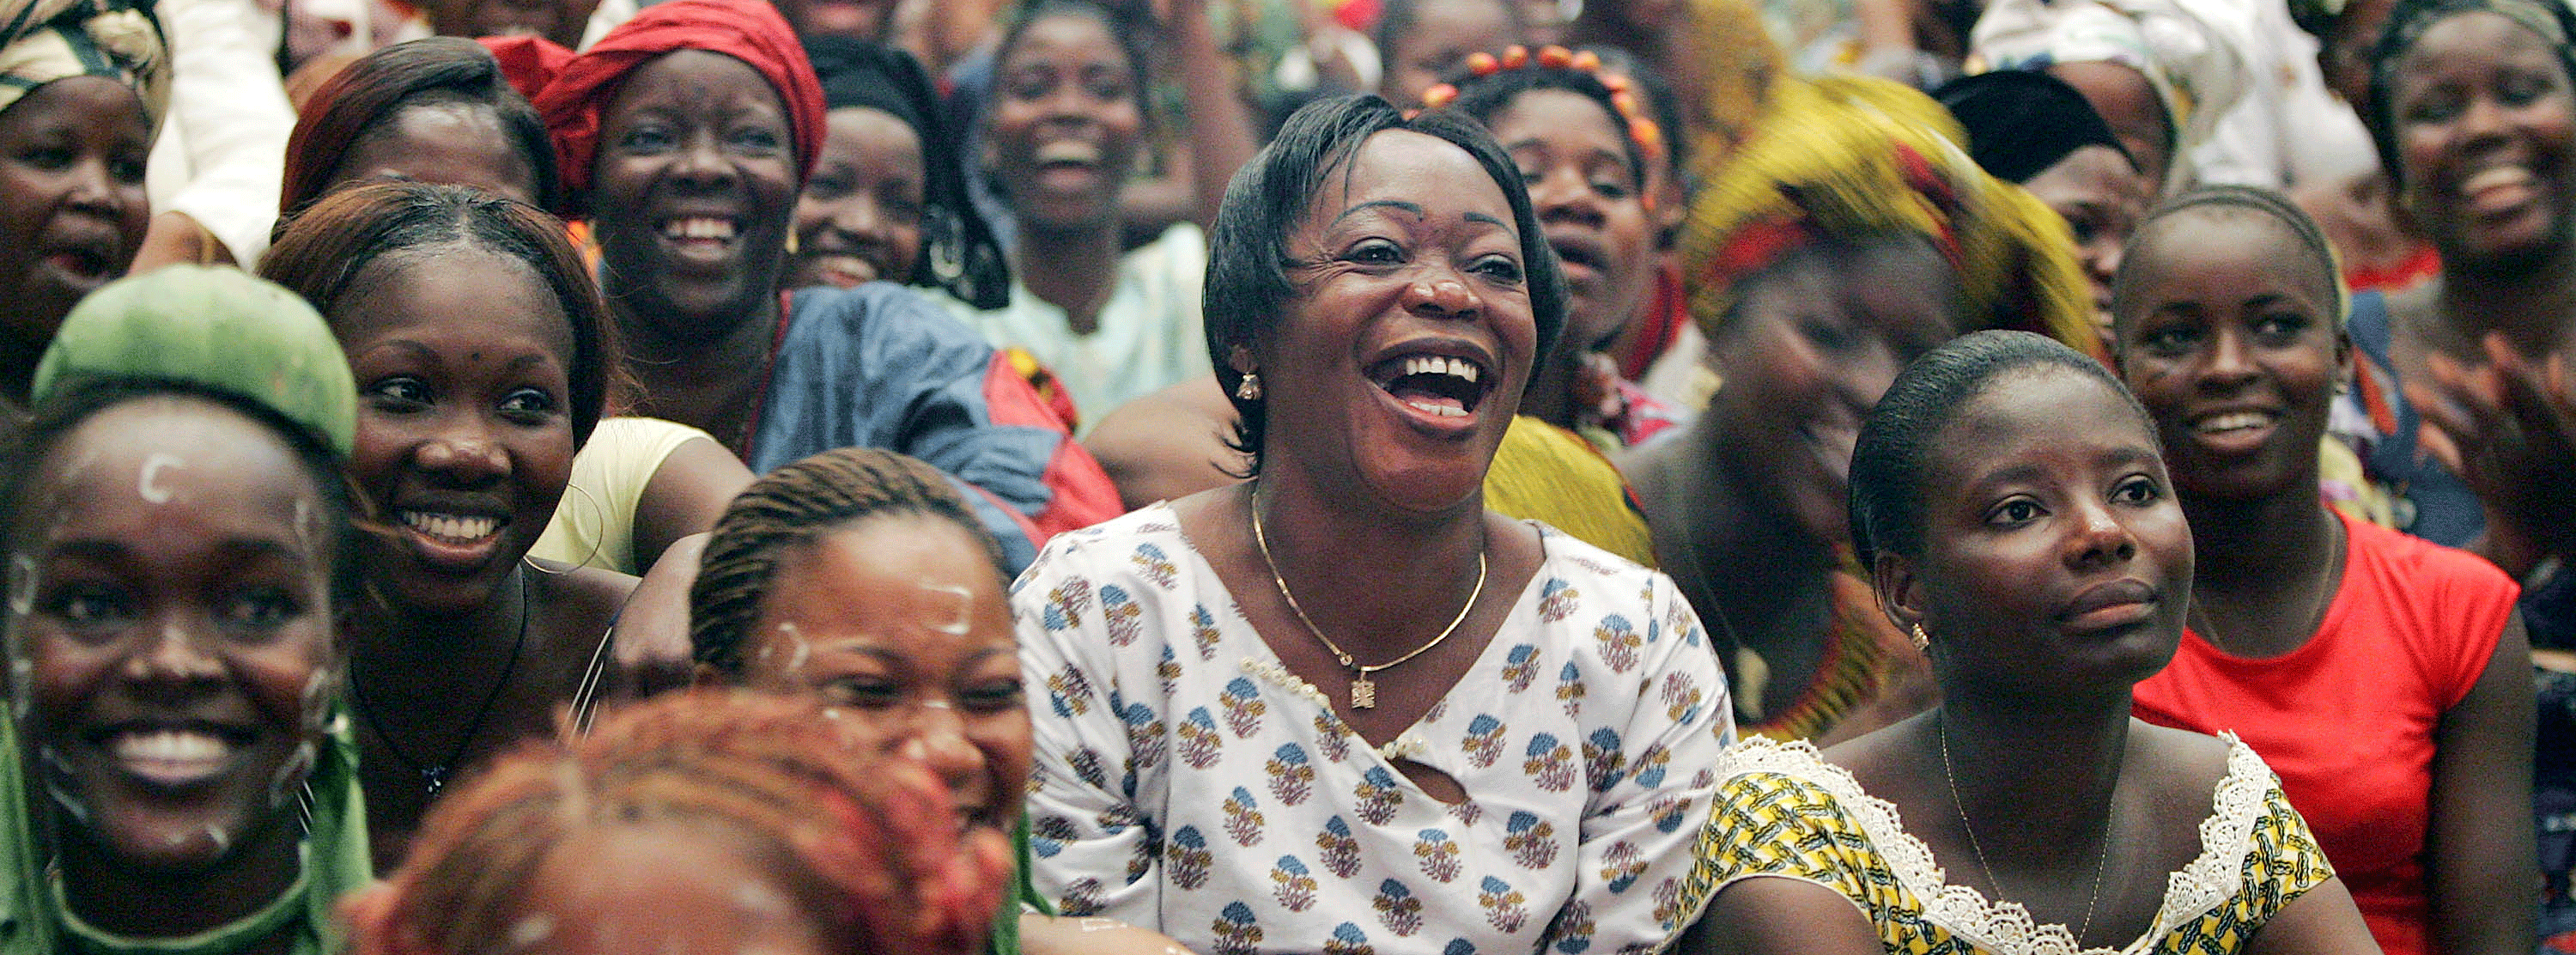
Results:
1438 386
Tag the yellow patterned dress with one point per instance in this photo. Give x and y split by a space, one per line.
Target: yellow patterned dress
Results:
1783 812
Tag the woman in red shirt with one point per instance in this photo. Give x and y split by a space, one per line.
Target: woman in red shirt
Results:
2386 679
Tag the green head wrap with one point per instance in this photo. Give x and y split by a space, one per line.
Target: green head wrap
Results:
216 327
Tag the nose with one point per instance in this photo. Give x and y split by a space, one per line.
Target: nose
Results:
465 455
1563 195
702 163
938 738
173 658
93 188
1445 295
2230 364
2099 538
2102 259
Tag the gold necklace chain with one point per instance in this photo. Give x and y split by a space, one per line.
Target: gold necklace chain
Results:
1941 732
1363 689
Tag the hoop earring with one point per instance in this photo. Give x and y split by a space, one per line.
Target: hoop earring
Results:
600 520
1922 641
1250 388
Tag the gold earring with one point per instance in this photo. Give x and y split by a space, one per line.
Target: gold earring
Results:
1250 388
1922 641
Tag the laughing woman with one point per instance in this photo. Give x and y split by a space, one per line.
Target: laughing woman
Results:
178 775
480 351
1342 702
686 134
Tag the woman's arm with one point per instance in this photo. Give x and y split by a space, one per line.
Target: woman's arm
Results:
2321 921
1778 916
685 496
1220 127
2483 872
1094 849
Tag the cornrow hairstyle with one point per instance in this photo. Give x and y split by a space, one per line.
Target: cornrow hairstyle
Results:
2407 22
362 101
1889 461
77 401
772 775
1482 92
322 253
796 504
1248 290
2244 199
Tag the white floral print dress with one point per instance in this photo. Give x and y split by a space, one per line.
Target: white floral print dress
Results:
1186 781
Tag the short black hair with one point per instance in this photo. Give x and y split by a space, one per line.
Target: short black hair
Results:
2240 199
1888 462
1248 289
2407 21
1124 28
81 398
1480 97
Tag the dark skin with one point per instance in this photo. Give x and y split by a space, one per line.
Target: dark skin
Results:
2236 319
2484 116
2054 567
460 356
1374 509
1746 506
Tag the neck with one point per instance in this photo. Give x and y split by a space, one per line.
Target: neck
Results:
2258 546
1371 577
1550 395
121 901
2534 306
2037 781
1749 552
1071 269
410 661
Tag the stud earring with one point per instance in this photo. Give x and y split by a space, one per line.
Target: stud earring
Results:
1922 641
1250 388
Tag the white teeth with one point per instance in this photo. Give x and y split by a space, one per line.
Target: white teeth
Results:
1442 410
169 746
2496 177
2233 421
1436 365
1068 150
698 228
455 528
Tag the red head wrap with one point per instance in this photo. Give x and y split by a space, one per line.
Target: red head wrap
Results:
528 62
747 30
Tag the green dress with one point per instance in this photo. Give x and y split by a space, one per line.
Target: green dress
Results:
34 920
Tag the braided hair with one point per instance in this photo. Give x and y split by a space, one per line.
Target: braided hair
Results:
2235 199
771 775
796 504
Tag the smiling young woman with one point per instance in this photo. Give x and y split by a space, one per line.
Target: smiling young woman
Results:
178 774
2229 321
481 353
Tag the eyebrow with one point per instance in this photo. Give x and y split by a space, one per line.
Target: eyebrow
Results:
1489 220
1415 208
111 551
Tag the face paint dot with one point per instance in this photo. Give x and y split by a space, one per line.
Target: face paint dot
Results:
531 930
147 479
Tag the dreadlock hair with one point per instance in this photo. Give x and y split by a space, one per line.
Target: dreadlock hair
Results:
797 504
2228 200
1890 459
801 795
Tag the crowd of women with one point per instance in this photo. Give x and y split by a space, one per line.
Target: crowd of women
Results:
1378 477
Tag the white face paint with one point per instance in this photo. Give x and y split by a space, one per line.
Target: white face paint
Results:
804 650
531 930
22 585
147 479
960 620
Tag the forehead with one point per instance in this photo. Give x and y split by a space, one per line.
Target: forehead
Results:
2470 39
159 464
1067 35
696 77
83 102
1453 21
453 292
2029 413
1891 281
921 582
2229 241
1557 115
863 127
1413 170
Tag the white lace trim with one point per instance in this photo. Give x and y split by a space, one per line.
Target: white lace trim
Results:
2006 927
1405 745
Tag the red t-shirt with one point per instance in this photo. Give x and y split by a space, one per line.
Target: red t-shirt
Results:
2348 719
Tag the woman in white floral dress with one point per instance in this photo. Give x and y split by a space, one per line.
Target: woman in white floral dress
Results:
1341 707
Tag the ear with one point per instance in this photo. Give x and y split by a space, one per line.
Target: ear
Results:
2343 356
1240 359
1899 595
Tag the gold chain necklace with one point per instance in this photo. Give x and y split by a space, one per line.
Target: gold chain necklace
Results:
1363 689
1941 732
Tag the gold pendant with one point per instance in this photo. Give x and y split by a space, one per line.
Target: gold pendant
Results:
1363 693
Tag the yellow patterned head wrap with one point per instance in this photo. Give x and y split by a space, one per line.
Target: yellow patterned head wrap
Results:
1847 157
46 40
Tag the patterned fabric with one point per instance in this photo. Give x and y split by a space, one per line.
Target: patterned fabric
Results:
1187 781
1786 813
